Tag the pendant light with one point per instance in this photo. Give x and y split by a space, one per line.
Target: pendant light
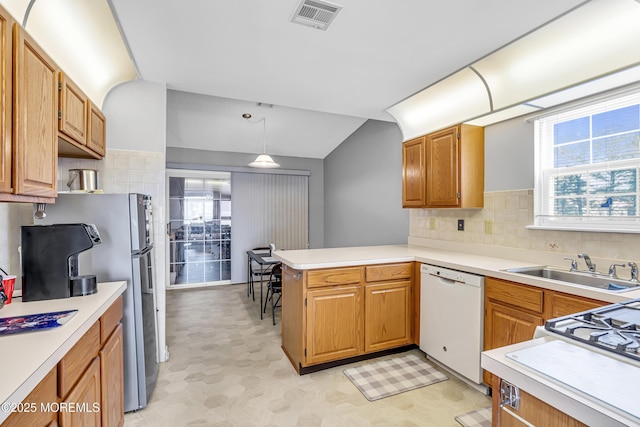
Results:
264 160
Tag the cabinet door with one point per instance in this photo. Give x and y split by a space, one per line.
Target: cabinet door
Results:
413 173
5 102
112 380
42 397
74 108
387 315
334 324
35 119
97 138
85 399
505 325
443 175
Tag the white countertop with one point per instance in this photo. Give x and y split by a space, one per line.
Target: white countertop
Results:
570 400
579 372
307 259
27 358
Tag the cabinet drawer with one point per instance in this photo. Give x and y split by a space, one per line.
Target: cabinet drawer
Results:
74 363
522 296
379 273
110 320
563 304
334 276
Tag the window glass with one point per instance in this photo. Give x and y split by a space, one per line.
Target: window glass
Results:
587 162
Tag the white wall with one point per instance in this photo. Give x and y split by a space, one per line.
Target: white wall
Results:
136 114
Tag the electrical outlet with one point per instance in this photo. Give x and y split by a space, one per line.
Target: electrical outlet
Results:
461 225
488 226
432 223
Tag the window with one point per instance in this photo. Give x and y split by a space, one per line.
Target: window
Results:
588 167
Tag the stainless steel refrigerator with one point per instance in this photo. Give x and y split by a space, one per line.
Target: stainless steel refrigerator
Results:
124 222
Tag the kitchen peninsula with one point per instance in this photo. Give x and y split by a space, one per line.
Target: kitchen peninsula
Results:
326 293
65 364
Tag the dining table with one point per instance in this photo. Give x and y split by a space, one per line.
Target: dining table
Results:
264 260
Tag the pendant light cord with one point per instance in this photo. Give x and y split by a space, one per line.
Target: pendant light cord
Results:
264 131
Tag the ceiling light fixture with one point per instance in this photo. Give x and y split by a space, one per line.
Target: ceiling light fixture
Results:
264 160
594 41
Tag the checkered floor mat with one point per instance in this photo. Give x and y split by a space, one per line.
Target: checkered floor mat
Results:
479 418
392 376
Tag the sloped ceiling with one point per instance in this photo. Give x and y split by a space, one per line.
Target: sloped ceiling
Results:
374 54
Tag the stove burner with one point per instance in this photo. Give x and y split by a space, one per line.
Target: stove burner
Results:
614 327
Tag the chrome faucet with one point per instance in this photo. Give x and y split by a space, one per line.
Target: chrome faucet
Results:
612 270
574 264
634 271
591 266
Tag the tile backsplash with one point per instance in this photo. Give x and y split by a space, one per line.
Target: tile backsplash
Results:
503 221
121 171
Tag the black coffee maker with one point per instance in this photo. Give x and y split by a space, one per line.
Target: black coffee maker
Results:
50 261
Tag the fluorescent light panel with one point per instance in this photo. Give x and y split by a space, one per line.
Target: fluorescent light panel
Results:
85 43
567 56
461 95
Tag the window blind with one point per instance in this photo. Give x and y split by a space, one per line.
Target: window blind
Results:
267 208
588 166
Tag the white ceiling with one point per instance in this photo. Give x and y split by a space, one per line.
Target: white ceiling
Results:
323 84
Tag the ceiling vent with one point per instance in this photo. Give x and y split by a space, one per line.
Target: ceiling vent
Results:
316 14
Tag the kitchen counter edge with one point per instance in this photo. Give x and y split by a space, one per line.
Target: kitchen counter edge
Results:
568 400
24 367
309 259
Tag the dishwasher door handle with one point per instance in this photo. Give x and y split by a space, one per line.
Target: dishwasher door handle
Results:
445 280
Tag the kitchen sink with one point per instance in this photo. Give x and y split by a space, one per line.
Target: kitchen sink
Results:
578 278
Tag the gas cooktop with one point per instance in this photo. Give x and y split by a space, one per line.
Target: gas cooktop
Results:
615 328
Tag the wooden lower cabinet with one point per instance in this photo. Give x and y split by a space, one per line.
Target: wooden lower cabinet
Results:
387 315
334 323
112 380
531 411
333 314
513 311
505 325
81 407
86 388
31 412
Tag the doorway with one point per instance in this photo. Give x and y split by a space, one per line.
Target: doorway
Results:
199 228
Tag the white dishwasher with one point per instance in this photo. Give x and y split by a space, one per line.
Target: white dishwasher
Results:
452 319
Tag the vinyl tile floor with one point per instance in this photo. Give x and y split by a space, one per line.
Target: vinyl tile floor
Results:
226 368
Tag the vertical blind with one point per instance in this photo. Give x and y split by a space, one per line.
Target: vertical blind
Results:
267 208
280 214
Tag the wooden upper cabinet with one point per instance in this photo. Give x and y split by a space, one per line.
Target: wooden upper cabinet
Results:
35 118
81 123
6 23
97 137
74 109
413 173
443 168
448 170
